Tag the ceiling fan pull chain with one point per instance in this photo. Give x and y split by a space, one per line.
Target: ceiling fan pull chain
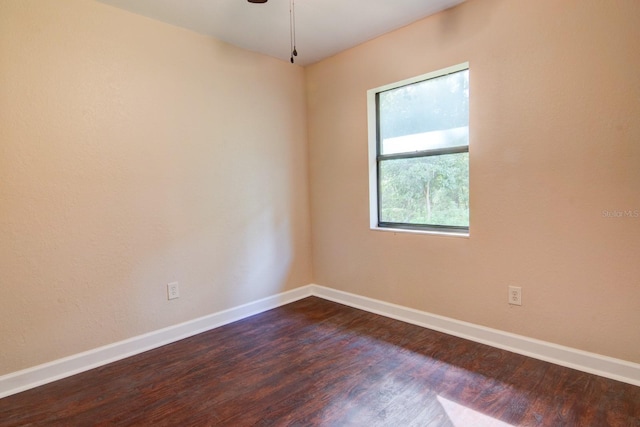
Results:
292 29
292 26
295 52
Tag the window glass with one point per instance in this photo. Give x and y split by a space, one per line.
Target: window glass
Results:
427 115
422 152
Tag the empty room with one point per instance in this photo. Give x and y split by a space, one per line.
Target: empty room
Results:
320 212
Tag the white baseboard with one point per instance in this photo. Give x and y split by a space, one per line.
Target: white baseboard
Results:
42 374
604 366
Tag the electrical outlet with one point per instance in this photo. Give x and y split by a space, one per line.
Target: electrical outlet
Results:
173 291
515 295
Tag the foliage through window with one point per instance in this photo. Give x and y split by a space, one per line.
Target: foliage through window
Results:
422 152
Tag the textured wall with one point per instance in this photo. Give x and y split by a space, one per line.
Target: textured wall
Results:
555 101
133 154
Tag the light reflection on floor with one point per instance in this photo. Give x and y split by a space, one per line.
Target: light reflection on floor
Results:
461 416
395 398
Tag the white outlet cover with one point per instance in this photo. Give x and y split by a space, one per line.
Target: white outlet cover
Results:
515 295
173 290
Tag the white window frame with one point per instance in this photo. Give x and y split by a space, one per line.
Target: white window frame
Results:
373 152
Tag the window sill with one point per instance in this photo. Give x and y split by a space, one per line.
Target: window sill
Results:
464 235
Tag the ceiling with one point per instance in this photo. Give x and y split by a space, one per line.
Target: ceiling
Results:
323 27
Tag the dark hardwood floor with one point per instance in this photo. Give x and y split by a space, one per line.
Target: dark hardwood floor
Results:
317 363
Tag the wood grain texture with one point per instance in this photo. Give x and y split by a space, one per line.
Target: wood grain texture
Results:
318 363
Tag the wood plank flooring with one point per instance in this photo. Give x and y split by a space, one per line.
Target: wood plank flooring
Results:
317 363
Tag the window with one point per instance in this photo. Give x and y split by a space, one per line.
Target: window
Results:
419 152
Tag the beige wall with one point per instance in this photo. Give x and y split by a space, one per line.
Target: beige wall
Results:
133 154
555 141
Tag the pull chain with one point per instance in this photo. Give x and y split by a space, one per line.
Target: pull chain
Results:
292 28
